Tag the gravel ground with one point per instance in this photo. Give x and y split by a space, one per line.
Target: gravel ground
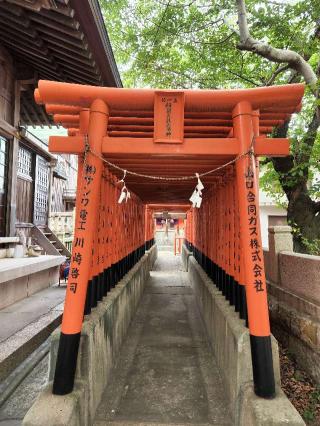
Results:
299 388
15 408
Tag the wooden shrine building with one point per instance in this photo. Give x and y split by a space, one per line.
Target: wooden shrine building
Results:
63 40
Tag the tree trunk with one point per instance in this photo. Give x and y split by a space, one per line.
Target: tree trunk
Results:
303 212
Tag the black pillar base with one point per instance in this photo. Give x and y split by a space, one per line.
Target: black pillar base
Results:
227 286
94 292
237 296
87 306
109 278
232 291
262 366
105 282
66 364
243 303
100 286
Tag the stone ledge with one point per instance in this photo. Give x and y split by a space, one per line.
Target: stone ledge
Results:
267 412
293 301
17 289
9 240
185 254
302 326
300 333
230 342
300 274
64 410
11 269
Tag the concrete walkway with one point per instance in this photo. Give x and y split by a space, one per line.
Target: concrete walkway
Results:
165 373
15 317
26 324
16 406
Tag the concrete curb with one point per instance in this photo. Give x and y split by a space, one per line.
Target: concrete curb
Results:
8 386
19 346
185 254
230 343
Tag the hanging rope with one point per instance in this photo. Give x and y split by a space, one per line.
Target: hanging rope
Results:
125 193
196 197
250 152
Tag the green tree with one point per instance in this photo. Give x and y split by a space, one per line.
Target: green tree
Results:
216 44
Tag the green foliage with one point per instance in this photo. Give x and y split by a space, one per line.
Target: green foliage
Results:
184 43
310 413
269 181
312 246
193 44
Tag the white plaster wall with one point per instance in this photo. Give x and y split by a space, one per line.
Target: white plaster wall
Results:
267 208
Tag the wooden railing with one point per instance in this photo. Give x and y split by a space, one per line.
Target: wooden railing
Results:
62 224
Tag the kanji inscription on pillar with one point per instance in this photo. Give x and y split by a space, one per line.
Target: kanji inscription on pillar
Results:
168 117
255 248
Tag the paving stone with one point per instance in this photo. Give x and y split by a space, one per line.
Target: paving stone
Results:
165 373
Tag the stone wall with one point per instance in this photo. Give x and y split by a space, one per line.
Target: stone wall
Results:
20 278
102 334
185 256
294 299
230 343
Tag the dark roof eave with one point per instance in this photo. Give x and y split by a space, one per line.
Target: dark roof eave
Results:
29 143
88 13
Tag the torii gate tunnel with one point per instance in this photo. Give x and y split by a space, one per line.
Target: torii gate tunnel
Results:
170 134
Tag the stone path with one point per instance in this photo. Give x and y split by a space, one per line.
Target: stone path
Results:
24 326
165 373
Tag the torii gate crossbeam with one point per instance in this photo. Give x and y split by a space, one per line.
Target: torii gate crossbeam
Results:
170 134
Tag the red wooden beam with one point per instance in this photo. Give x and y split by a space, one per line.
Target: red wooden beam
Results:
129 147
274 97
169 207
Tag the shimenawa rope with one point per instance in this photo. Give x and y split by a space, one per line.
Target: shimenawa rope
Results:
250 152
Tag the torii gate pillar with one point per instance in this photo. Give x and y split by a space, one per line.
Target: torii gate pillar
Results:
87 207
251 245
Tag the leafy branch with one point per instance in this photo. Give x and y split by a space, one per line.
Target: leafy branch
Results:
293 59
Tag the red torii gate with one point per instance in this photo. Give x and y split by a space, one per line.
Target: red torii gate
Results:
169 134
176 208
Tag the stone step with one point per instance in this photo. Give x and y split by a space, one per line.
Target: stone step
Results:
32 327
130 423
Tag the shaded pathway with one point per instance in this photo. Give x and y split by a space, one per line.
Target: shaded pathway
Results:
165 373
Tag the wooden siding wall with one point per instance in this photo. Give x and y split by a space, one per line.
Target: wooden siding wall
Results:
7 105
6 87
59 185
4 145
41 191
57 202
25 185
23 230
24 201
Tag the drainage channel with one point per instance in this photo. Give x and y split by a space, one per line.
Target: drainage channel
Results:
19 390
